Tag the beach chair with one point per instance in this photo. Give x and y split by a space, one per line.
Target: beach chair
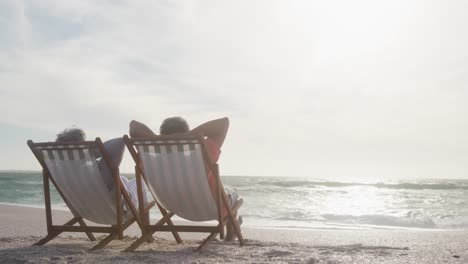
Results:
175 169
72 168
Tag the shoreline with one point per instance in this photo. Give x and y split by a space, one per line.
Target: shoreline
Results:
316 226
22 226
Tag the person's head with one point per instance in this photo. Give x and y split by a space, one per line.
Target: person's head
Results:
173 125
71 134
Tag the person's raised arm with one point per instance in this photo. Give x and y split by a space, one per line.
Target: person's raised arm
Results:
138 129
216 130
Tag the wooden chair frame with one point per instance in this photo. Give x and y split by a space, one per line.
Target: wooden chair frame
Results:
114 231
165 223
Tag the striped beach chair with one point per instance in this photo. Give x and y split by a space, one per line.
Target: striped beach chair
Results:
175 169
73 169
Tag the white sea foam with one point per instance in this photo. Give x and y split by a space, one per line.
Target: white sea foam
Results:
306 203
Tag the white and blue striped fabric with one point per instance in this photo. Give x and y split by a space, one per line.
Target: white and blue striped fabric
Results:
178 178
76 173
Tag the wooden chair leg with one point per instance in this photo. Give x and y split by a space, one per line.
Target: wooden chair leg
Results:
210 237
174 233
139 241
221 233
47 238
232 223
169 222
238 233
229 230
148 235
53 235
146 222
89 234
104 242
115 235
119 232
150 239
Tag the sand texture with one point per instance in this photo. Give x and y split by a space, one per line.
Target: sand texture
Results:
22 226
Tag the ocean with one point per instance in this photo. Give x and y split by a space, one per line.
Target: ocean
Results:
286 202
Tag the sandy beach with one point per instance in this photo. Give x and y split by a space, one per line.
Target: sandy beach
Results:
22 226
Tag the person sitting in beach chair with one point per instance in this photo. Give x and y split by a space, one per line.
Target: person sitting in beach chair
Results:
214 133
115 148
87 178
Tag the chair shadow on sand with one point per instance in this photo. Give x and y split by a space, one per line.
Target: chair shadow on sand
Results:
75 250
72 249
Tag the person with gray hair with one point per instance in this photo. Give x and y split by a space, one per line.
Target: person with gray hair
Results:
71 134
214 132
115 148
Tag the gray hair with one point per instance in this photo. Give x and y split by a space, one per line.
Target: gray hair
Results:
174 125
71 134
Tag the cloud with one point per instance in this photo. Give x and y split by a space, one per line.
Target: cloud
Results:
333 83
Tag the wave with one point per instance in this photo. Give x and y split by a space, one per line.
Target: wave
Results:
373 221
382 220
303 202
399 186
241 182
58 206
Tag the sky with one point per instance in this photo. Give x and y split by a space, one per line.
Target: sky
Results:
322 89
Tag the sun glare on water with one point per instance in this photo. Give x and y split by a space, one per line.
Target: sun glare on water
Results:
356 201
